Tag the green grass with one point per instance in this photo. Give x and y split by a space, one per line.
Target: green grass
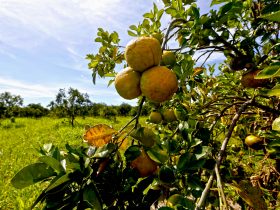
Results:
19 143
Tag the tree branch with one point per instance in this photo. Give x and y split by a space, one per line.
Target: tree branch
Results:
221 154
266 108
169 29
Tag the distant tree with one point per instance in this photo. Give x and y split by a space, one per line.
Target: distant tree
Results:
10 104
95 109
70 104
109 112
124 109
34 110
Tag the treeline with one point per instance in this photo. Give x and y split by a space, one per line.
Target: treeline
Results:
69 103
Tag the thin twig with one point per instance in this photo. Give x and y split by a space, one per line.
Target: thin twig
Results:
166 38
220 187
208 56
139 111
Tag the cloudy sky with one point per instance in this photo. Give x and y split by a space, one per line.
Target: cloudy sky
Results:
43 44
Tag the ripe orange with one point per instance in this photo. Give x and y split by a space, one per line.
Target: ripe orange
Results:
248 80
127 83
254 142
158 83
143 53
169 115
168 58
144 164
155 117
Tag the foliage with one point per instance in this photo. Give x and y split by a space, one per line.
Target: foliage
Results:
19 144
70 103
34 110
9 104
196 166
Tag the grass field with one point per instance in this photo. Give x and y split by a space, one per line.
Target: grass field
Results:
19 142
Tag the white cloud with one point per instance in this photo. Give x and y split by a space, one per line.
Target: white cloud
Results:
25 89
38 93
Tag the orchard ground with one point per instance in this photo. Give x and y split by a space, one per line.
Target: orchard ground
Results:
19 145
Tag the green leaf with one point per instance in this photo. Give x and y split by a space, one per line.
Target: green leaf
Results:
130 33
52 162
171 11
195 12
91 196
148 15
275 16
58 181
275 91
183 161
194 182
158 154
110 82
226 8
196 164
178 200
166 174
273 148
214 2
203 152
276 124
269 72
98 39
105 151
32 174
132 153
133 27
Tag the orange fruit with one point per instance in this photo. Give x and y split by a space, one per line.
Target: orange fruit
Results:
155 117
143 53
144 164
254 142
127 83
169 115
168 58
248 80
158 83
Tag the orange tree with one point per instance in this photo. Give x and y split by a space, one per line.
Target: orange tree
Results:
197 156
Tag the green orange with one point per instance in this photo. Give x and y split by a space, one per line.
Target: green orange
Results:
127 83
168 58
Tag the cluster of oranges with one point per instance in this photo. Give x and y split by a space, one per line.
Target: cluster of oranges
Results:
144 74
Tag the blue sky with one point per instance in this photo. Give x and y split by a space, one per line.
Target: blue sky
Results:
43 44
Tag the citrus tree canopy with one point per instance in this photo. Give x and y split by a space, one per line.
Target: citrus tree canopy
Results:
212 140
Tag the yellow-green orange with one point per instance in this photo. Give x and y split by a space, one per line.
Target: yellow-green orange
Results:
127 83
168 58
155 117
253 142
143 53
158 83
169 115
